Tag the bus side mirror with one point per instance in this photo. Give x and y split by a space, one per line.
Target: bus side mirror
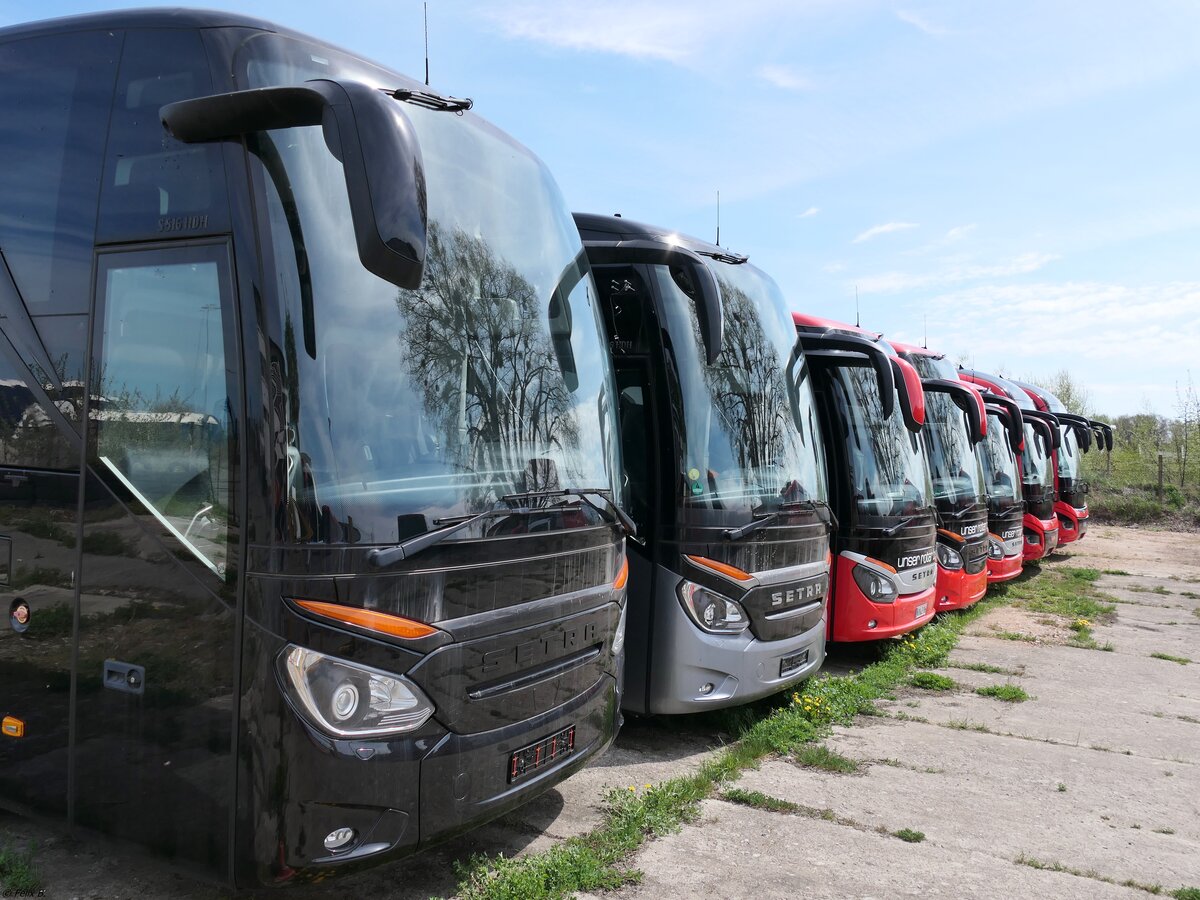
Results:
366 130
966 399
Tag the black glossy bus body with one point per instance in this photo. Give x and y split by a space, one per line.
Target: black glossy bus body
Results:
144 647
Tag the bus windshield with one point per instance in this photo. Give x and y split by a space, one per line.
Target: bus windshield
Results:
1068 454
954 467
999 462
1035 461
743 447
888 472
393 409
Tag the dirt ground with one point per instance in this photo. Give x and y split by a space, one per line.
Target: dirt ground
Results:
1093 782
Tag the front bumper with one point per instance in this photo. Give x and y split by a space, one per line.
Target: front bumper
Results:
1005 569
1072 522
693 670
958 589
1047 532
854 613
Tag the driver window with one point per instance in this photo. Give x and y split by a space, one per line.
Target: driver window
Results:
160 393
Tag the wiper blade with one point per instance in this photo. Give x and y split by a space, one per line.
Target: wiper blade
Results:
736 534
619 515
955 515
430 100
816 506
381 558
725 256
891 530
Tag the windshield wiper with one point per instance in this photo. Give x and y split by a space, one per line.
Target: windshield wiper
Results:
815 505
430 100
892 529
725 256
414 545
620 517
736 534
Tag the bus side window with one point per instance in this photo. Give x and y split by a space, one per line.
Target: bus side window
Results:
160 395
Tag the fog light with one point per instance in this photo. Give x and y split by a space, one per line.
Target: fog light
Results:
338 839
706 689
872 624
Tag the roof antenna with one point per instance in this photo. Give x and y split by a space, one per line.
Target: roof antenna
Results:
426 8
718 218
925 319
857 317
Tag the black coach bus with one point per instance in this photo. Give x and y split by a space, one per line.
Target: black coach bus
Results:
307 452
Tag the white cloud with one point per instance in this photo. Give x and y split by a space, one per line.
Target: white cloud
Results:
887 228
674 31
958 233
955 273
809 213
834 267
1123 342
921 23
784 77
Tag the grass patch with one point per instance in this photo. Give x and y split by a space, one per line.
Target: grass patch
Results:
909 835
983 667
1064 591
1191 595
1186 893
51 622
1062 788
932 681
759 800
1015 636
1164 830
1114 572
18 873
784 724
821 757
1033 863
1157 589
1009 693
1182 660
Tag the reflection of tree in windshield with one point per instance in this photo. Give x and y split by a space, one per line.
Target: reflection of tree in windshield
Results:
477 347
951 459
747 386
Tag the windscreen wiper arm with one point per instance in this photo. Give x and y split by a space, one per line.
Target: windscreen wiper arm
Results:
815 505
892 529
380 558
736 534
619 515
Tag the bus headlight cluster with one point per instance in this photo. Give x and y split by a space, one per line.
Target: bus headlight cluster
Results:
995 548
347 700
877 586
618 644
949 558
713 612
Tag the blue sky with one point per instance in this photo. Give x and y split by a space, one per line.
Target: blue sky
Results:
1024 175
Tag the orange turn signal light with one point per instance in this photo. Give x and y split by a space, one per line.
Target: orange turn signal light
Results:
622 576
12 727
952 535
721 568
384 623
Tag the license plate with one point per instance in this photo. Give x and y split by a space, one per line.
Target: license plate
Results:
549 750
920 611
793 663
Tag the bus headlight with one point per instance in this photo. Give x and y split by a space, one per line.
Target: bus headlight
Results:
347 700
995 548
949 558
713 612
877 587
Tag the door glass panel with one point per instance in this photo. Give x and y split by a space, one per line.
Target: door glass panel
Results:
160 402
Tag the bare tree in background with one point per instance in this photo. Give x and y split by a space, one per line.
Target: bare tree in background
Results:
1187 407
